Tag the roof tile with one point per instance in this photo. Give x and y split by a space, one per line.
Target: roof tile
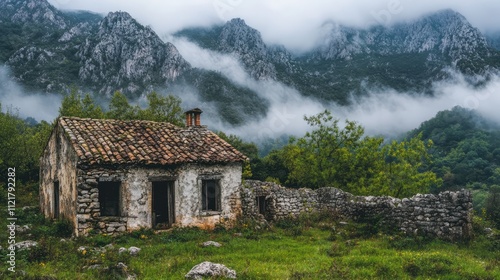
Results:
100 141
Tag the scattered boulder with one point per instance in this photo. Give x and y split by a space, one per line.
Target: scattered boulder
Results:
121 266
134 251
25 245
210 269
122 250
24 228
211 243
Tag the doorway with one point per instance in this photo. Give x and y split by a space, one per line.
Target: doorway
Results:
163 204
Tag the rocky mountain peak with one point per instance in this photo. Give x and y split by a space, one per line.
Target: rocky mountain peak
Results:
446 32
33 12
128 56
239 37
121 23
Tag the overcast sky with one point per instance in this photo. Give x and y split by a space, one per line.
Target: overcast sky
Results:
294 23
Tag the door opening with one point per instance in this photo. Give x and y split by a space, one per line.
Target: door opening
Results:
163 204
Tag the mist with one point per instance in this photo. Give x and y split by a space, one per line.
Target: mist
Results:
383 112
40 106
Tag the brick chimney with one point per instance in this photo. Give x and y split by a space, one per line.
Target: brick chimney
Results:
193 115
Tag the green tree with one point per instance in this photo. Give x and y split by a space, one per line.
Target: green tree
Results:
71 105
74 106
322 157
163 109
120 108
90 109
21 145
342 157
404 173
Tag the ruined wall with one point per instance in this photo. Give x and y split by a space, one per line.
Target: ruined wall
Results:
58 164
136 196
446 215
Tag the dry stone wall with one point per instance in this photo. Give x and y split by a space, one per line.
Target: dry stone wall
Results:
447 215
88 213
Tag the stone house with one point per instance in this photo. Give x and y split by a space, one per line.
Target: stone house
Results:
112 176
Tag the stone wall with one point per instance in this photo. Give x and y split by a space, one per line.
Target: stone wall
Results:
447 215
88 206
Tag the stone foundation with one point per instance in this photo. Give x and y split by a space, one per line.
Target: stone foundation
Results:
447 215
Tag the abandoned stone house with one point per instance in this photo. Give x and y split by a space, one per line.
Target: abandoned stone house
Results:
112 176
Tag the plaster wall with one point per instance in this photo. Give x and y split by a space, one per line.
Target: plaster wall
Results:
136 196
58 164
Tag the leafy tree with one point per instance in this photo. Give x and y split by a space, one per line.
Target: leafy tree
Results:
90 109
405 161
21 145
321 157
341 157
163 109
120 108
74 106
272 168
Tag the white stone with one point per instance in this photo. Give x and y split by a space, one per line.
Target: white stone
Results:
211 243
134 250
23 245
210 269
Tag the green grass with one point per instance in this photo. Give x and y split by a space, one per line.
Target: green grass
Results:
311 248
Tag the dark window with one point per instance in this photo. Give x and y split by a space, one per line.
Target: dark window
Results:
210 195
109 198
261 204
56 200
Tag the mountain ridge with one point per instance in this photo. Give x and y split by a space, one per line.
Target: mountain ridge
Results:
52 50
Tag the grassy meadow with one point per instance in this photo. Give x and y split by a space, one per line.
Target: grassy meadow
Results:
313 247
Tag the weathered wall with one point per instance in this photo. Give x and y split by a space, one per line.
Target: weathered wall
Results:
58 163
446 215
136 196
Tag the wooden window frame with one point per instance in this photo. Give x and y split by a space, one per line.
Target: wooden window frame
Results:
211 199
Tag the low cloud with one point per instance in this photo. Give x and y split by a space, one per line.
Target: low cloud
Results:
384 112
40 106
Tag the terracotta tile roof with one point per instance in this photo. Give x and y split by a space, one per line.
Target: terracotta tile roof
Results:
100 141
